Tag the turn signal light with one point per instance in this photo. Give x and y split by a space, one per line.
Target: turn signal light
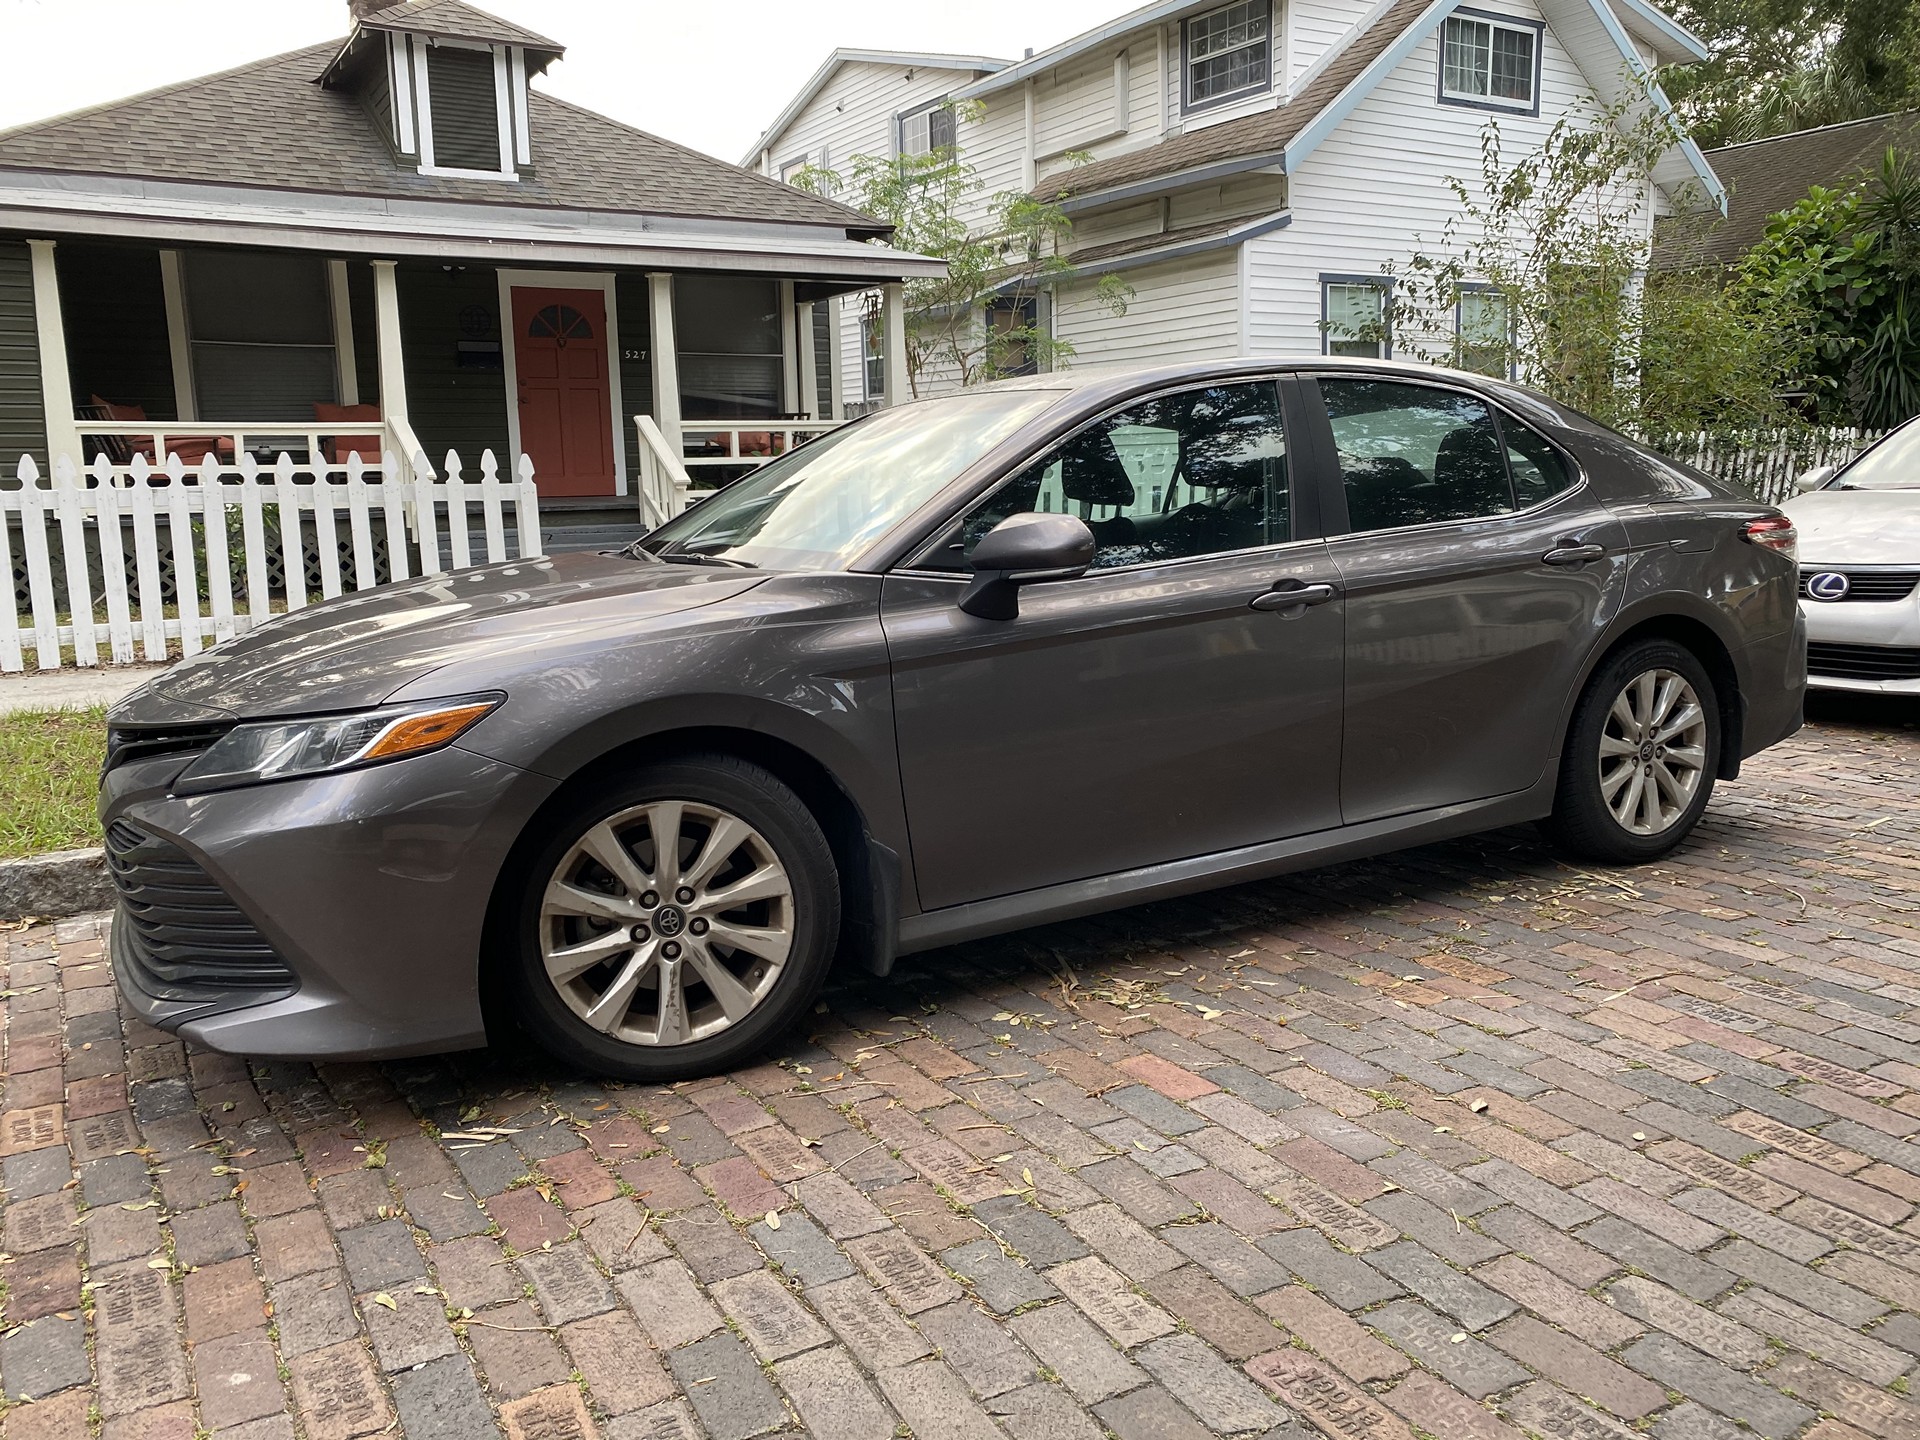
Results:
1776 532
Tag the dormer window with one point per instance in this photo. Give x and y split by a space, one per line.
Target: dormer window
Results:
1227 54
446 85
468 106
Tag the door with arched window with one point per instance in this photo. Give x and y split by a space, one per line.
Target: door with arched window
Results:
563 388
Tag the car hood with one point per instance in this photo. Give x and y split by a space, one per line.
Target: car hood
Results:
1857 527
359 649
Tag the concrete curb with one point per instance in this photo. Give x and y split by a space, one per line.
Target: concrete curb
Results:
61 882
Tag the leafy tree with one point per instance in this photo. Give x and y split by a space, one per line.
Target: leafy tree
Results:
1844 266
1782 65
1559 236
971 324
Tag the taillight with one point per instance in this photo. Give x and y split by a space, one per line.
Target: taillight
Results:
1776 532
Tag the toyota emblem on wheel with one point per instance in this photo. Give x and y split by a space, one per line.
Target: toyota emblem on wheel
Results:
1828 585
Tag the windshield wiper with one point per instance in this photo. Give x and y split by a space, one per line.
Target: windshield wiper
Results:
695 557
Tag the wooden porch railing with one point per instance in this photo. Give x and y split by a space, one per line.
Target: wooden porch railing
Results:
668 483
266 442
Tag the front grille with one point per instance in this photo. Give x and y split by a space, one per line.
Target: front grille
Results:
143 742
1864 662
180 929
1870 585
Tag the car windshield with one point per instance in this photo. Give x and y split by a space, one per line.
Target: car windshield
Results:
821 506
1893 464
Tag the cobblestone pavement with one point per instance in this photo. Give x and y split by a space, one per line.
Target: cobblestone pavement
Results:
1463 1142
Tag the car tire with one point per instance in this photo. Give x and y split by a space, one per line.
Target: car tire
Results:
1630 791
582 902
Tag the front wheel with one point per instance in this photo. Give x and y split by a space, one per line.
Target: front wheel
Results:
1640 757
673 924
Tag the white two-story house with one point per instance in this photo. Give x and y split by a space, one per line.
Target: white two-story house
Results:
1255 167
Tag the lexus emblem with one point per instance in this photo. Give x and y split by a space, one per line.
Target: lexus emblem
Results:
1827 585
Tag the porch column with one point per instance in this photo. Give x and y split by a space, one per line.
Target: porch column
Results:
893 342
666 365
836 362
386 325
809 365
789 352
56 384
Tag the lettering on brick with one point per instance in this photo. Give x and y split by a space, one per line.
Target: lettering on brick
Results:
34 1129
1335 1407
958 1173
663 1422
101 1135
41 1223
778 1152
335 1389
1098 1290
1869 1087
913 1281
555 1413
1812 1148
868 1324
138 1353
1545 1410
1856 1230
1736 1180
1326 1211
1723 1015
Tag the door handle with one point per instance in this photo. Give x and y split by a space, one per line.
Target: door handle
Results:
1291 595
1572 551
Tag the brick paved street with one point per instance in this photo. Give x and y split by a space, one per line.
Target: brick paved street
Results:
1463 1143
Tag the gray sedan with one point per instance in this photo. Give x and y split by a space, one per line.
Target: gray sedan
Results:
973 663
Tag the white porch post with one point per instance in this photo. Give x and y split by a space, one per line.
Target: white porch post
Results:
789 351
386 316
836 362
666 361
809 364
173 290
56 384
893 337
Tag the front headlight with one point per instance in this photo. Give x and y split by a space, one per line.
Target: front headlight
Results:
283 749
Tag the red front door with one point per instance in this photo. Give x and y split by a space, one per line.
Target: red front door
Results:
566 402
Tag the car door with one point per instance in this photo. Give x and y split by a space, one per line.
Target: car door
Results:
1172 702
1478 570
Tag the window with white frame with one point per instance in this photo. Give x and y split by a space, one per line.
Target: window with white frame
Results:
791 171
1491 62
1354 316
924 131
1227 53
1482 339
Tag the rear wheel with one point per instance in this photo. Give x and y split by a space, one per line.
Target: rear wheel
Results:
675 923
1640 757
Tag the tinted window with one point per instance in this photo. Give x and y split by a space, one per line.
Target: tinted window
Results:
1202 472
1538 471
1414 454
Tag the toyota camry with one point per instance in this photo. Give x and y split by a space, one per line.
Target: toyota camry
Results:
972 663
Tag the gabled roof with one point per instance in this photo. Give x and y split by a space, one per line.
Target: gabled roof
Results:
1153 14
1282 137
1251 141
455 21
912 60
1764 177
267 125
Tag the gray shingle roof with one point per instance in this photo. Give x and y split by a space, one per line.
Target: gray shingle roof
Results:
1266 132
1764 177
268 124
456 22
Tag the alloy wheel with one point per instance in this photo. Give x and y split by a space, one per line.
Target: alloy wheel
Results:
667 923
1653 752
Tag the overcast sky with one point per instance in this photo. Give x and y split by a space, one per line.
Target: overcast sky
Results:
705 73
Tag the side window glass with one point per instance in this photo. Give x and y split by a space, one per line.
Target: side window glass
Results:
1415 454
1538 471
1202 472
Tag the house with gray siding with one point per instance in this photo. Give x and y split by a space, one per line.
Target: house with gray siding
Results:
1252 169
397 241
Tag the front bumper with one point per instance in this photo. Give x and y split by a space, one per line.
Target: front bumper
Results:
372 887
1868 639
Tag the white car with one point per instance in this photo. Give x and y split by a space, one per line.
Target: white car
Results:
1860 567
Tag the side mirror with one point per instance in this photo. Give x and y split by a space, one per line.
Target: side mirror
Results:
1022 550
1813 479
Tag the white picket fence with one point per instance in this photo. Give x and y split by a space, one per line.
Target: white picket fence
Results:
239 540
1767 461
